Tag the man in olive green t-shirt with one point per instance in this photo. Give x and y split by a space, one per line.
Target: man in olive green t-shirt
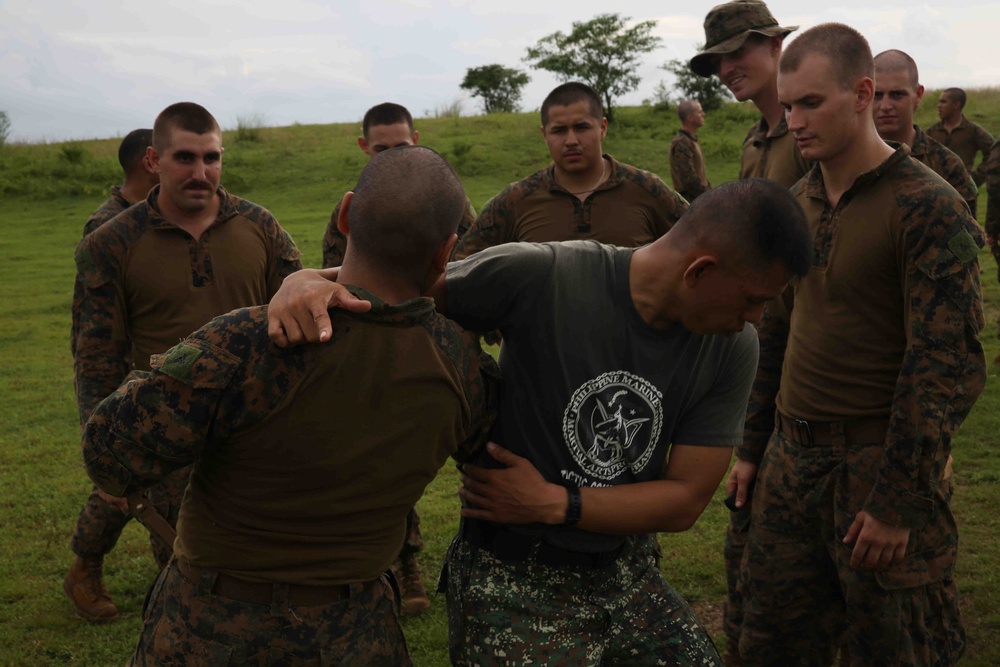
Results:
960 135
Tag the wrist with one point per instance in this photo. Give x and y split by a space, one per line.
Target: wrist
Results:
574 506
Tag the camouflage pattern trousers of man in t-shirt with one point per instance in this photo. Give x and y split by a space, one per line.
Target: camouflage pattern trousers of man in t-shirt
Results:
622 613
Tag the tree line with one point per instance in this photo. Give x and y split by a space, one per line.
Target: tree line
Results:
605 53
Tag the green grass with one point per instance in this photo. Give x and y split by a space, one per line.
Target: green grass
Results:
299 172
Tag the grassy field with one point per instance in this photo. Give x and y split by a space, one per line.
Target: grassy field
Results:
299 172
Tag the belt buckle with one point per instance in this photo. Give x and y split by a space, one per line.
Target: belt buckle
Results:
803 424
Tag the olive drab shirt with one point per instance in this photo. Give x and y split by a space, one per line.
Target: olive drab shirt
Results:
335 243
307 459
147 284
965 141
631 208
774 157
687 166
993 191
945 164
885 326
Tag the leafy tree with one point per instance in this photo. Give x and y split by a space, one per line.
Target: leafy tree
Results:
498 86
4 127
602 52
710 91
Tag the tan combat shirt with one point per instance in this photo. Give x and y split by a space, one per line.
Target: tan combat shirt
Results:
631 208
307 459
147 284
965 141
884 326
775 158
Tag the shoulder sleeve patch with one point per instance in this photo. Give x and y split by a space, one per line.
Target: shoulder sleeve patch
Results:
207 367
964 246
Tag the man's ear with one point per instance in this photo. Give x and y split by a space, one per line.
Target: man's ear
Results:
363 145
864 90
416 138
345 204
441 255
698 269
153 158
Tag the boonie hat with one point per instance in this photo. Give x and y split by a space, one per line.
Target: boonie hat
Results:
728 26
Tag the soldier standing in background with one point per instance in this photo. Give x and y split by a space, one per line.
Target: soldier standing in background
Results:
993 213
743 43
583 194
897 96
386 126
959 134
151 276
139 179
687 163
742 46
859 393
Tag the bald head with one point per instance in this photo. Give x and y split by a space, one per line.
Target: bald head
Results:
753 221
894 61
407 203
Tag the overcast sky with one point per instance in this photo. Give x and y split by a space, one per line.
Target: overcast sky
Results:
96 68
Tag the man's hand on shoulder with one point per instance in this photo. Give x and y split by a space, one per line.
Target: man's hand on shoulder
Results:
298 311
877 544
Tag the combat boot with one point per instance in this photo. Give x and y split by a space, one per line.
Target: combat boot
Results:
84 586
411 586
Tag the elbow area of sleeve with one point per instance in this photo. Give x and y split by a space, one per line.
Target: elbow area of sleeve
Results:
107 472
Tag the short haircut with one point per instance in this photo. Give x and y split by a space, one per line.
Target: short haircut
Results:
186 116
407 202
570 93
686 108
845 48
133 149
894 60
957 95
756 217
386 113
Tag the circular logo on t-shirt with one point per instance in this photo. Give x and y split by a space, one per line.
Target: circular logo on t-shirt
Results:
612 424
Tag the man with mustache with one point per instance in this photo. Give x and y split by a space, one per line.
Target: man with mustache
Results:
962 136
153 274
584 194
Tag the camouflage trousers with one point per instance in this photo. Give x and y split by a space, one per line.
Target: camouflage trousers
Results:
526 613
185 624
802 598
732 618
100 525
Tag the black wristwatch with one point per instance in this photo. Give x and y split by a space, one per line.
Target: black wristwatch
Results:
574 510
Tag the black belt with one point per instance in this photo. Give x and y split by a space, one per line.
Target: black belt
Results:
263 593
856 432
510 547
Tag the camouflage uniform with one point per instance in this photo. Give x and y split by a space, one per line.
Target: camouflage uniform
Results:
878 364
112 206
687 165
965 141
100 524
945 164
631 208
993 208
776 158
118 294
335 244
305 524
